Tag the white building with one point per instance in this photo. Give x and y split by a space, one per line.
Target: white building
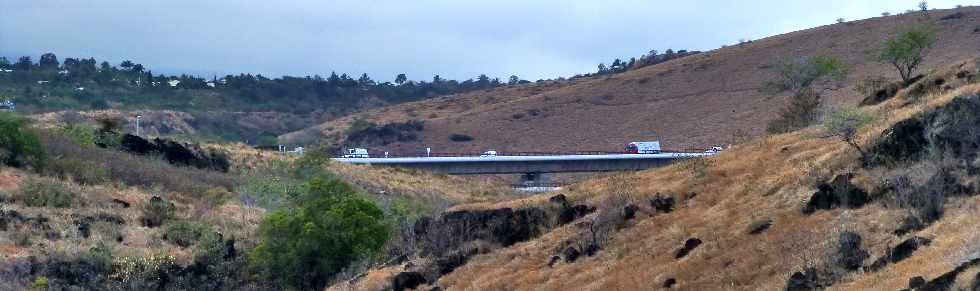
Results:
173 83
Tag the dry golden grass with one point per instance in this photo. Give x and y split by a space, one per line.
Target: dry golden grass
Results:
230 219
699 101
770 177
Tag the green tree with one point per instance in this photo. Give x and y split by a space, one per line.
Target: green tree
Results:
18 146
317 235
400 79
799 77
906 51
48 61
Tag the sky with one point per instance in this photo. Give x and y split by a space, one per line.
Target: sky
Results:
421 38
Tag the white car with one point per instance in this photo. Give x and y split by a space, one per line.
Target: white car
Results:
489 154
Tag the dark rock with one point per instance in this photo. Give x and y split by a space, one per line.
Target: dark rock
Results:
905 141
121 203
916 282
569 214
945 281
689 246
851 256
881 95
760 227
435 288
663 203
804 281
669 283
559 199
591 249
900 252
9 218
85 229
175 153
629 211
407 280
839 192
570 254
906 248
553 261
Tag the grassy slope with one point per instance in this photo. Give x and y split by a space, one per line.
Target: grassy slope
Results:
695 101
767 178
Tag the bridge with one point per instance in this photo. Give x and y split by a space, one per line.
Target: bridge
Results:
530 165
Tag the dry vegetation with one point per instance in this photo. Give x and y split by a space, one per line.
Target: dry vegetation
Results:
696 101
720 201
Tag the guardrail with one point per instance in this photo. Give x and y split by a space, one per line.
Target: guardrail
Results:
507 153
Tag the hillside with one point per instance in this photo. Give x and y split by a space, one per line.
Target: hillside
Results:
699 101
796 211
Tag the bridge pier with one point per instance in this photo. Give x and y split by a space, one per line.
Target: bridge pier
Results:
532 179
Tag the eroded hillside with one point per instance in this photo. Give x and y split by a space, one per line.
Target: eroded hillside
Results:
799 211
709 99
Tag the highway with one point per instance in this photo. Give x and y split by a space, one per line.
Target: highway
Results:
529 164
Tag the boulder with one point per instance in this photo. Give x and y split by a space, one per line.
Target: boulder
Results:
689 245
407 280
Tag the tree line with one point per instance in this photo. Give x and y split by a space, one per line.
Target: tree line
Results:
128 77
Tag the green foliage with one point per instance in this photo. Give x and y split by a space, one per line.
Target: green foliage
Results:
82 135
906 51
800 74
846 121
801 112
321 232
41 282
45 193
18 146
182 233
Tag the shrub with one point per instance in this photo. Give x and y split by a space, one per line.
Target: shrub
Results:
182 234
18 147
801 112
45 193
41 282
319 234
156 211
906 51
460 137
80 171
845 123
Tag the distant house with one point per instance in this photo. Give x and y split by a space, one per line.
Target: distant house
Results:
42 82
223 81
2 70
173 83
63 72
80 89
210 84
7 105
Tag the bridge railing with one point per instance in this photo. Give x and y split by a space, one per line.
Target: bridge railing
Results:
514 153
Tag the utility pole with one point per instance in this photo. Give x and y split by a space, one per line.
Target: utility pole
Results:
138 124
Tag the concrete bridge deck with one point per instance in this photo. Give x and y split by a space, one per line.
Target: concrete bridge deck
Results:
504 164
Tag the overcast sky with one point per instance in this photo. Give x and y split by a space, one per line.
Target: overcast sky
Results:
452 38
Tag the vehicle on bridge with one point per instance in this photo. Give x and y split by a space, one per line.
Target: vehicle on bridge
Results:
489 154
643 147
356 153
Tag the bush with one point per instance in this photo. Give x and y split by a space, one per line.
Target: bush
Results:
906 50
18 147
317 235
182 234
802 111
157 211
460 137
45 193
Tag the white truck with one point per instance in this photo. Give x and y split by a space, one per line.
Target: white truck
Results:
643 147
356 153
